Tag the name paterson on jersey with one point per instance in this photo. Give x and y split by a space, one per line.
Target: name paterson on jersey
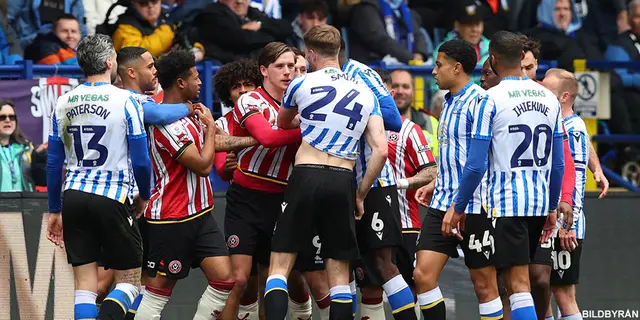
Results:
521 126
95 122
88 108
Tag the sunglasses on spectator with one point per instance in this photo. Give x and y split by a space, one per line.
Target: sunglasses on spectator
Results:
4 117
144 3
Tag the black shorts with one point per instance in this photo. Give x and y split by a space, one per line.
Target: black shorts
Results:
367 273
406 256
517 240
566 265
250 217
380 224
172 249
543 254
321 198
96 227
309 259
477 246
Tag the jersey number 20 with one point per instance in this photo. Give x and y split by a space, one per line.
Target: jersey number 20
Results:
516 161
340 108
94 144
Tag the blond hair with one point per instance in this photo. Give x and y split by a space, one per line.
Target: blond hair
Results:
323 39
568 82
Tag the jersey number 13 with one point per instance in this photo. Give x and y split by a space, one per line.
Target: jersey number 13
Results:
97 132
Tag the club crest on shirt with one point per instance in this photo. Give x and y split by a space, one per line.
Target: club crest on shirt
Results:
393 137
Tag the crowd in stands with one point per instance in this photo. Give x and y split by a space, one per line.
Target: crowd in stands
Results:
391 31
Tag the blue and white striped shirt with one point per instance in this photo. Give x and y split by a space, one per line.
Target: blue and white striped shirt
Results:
579 145
334 110
454 139
367 76
522 128
95 122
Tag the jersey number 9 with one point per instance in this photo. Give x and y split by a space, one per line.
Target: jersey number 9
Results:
516 161
93 145
340 108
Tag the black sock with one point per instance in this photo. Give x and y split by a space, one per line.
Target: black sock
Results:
276 304
340 311
110 310
434 312
408 314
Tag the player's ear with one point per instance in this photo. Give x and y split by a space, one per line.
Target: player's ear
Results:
263 71
131 73
181 83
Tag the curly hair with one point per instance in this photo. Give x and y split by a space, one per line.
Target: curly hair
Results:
176 64
233 72
460 51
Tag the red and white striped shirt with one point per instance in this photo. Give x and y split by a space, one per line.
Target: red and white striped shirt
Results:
178 193
259 167
409 152
225 123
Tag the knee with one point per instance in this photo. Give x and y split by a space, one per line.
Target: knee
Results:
241 281
482 289
371 293
540 278
425 279
564 294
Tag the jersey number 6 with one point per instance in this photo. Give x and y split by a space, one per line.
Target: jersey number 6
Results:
524 145
94 144
340 108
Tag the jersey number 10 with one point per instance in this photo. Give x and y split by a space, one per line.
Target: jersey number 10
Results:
94 144
340 108
516 161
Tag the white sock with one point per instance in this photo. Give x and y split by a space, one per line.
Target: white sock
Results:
575 316
85 303
324 313
301 311
130 290
520 300
418 311
151 306
248 312
491 309
373 311
211 303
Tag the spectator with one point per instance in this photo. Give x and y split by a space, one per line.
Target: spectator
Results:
10 50
230 30
301 66
19 161
57 46
271 8
402 84
96 13
386 30
625 84
496 15
31 17
469 26
141 26
561 36
606 19
312 13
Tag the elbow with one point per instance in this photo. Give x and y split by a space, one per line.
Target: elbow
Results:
203 171
382 151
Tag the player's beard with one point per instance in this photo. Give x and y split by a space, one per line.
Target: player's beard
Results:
114 75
